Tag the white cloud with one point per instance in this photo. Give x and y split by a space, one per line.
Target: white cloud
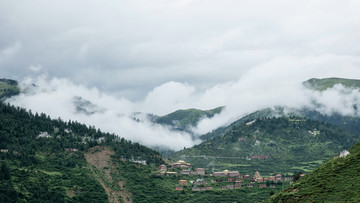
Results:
10 51
159 56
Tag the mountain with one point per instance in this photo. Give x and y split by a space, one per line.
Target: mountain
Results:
8 88
270 145
325 83
185 119
45 160
337 180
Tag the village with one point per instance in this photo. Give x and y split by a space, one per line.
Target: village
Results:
198 180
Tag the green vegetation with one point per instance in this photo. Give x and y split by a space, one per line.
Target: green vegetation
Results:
335 181
35 167
323 84
280 145
8 88
183 119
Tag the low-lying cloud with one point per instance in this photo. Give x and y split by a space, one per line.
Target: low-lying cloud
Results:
278 82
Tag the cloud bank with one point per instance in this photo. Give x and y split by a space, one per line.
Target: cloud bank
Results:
130 47
278 82
160 56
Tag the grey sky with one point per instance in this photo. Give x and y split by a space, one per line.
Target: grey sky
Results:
157 56
130 47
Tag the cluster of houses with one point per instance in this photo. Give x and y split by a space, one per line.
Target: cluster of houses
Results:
182 164
233 178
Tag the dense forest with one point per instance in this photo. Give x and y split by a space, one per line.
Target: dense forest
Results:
42 159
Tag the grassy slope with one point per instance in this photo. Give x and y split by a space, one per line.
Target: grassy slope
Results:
288 144
336 180
323 84
183 119
8 88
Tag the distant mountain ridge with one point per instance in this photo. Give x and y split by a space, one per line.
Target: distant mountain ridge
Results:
8 88
185 119
325 83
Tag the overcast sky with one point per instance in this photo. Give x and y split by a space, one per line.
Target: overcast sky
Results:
158 56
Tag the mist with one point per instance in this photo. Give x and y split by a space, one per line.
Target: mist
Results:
98 62
269 85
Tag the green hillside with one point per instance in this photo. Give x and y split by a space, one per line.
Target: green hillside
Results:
183 119
323 84
8 88
337 180
291 144
37 165
46 160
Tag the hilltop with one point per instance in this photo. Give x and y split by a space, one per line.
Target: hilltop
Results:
325 83
8 88
336 180
284 144
185 119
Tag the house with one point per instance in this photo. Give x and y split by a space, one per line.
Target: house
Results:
71 150
259 157
185 172
265 179
195 189
183 182
273 186
143 162
288 178
44 135
257 175
209 188
171 173
4 150
249 185
181 164
179 188
231 179
228 187
234 173
240 139
272 178
162 167
260 180
262 186
200 171
247 177
278 177
344 153
219 174
200 182
238 184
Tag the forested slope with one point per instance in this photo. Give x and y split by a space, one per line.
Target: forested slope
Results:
42 160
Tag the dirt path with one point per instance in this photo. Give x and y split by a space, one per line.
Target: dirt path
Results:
99 157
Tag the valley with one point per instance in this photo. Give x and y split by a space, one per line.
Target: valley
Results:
274 154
